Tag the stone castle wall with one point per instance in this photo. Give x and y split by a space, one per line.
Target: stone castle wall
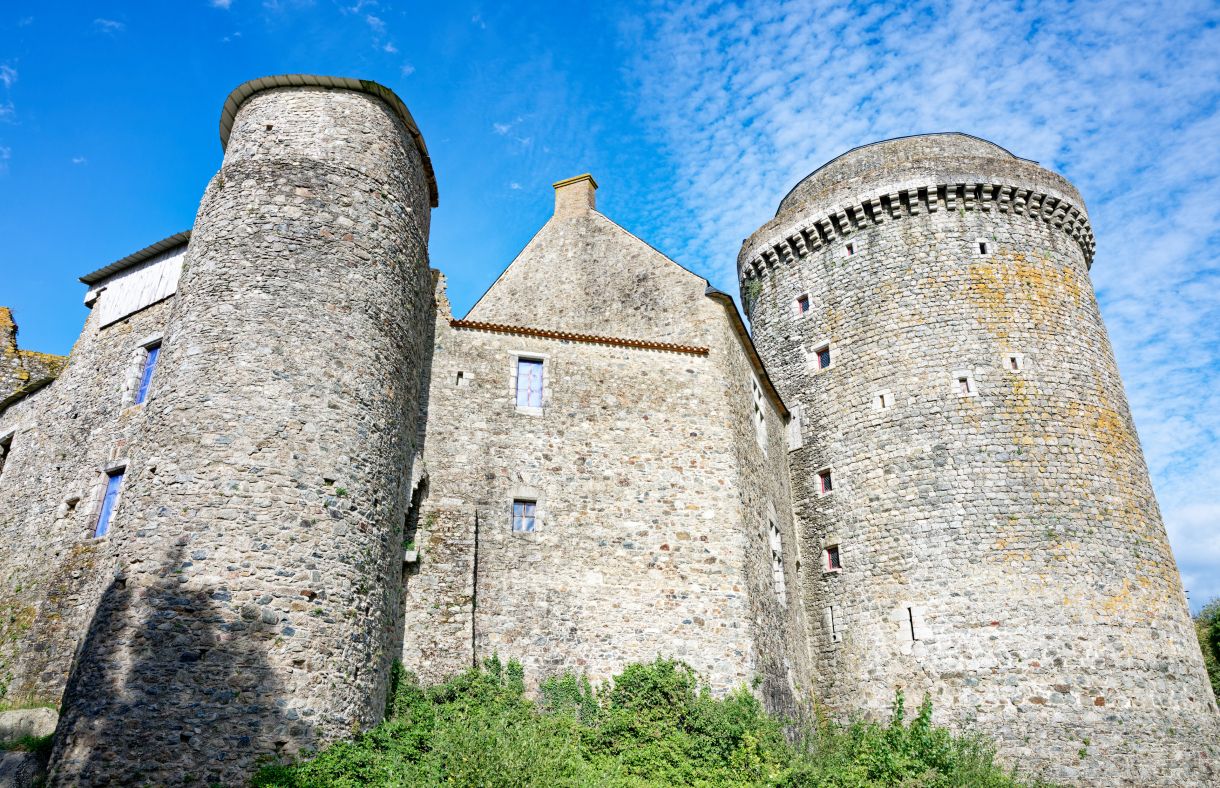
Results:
1002 551
252 609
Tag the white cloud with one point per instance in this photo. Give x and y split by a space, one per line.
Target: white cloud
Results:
79 160
407 69
6 153
502 128
109 25
390 48
376 23
1123 99
515 186
477 19
225 4
8 75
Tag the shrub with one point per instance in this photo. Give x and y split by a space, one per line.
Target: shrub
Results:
1207 627
652 725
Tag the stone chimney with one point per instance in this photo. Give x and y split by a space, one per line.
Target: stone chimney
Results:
575 196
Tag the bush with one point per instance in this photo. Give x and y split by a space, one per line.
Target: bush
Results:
653 725
1207 626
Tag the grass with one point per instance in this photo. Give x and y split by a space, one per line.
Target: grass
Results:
39 745
653 725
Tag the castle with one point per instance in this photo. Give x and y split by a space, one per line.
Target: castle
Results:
275 463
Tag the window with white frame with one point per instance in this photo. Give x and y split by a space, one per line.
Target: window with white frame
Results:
775 539
152 353
802 305
110 499
883 400
525 515
760 414
529 382
1014 362
982 247
963 384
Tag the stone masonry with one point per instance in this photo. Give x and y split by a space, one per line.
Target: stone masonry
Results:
1000 545
932 485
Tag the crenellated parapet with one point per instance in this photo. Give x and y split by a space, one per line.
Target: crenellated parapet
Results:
790 238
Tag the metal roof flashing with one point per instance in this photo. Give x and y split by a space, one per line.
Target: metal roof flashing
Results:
135 258
247 89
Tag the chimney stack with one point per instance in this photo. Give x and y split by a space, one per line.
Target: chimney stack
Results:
575 196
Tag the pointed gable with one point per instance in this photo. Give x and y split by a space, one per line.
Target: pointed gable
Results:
583 273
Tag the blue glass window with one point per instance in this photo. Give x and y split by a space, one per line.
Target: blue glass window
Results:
150 364
824 358
114 483
529 383
523 515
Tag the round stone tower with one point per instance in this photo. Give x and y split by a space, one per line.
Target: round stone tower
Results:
969 472
256 547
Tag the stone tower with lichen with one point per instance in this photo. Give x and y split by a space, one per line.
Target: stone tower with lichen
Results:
974 504
253 593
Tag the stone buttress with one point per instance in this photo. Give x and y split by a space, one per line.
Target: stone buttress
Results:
255 557
924 304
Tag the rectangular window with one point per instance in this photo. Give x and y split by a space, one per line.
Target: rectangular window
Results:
152 352
524 515
833 563
822 359
777 563
529 383
825 484
760 417
963 387
114 482
802 304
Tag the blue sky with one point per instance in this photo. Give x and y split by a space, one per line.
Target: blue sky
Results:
695 117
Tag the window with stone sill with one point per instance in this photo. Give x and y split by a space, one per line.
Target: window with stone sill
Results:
110 498
802 305
822 357
525 515
151 354
529 382
833 562
825 482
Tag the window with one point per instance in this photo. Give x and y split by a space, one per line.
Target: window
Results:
833 562
802 304
777 562
821 356
525 515
825 483
849 250
833 626
760 415
982 246
963 384
114 482
883 400
795 417
151 354
1014 362
529 383
913 618
6 446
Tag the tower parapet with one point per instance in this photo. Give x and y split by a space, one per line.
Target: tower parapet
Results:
969 471
256 555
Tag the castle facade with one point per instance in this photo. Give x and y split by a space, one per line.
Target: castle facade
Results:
275 463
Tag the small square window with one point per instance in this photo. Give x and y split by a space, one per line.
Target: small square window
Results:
983 248
151 354
833 562
525 515
1014 362
529 382
802 304
963 386
883 400
114 483
849 250
825 482
822 356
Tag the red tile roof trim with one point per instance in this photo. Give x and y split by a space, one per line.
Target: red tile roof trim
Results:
567 336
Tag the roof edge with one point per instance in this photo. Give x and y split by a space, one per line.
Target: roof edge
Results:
245 90
747 342
135 258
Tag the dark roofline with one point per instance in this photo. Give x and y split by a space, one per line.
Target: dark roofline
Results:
893 139
743 334
247 89
165 244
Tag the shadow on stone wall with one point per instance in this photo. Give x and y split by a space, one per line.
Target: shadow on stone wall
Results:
178 672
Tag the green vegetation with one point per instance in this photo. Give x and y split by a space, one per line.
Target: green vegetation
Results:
749 295
39 745
1207 627
653 725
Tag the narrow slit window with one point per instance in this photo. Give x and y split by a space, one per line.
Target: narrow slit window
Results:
963 386
802 304
883 400
151 354
982 247
1014 362
911 621
825 482
525 516
529 383
833 562
760 415
114 483
849 250
460 380
6 446
777 562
